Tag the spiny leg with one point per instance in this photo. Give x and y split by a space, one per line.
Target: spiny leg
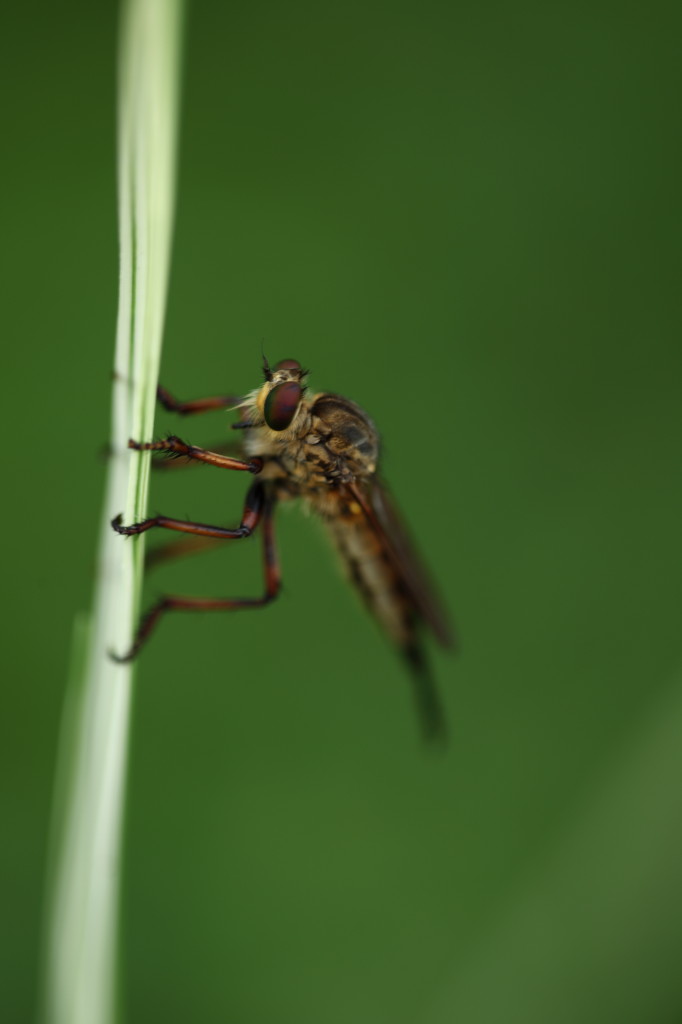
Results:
199 405
175 602
253 510
176 446
232 448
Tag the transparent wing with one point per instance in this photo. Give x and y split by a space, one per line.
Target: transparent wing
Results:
381 512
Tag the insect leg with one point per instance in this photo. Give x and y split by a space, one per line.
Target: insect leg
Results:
199 405
175 602
219 448
253 510
179 549
176 446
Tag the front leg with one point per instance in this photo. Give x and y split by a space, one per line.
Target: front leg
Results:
162 464
199 405
176 446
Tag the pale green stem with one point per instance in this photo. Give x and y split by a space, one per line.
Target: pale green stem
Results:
83 892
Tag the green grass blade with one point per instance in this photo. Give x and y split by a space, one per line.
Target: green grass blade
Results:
81 941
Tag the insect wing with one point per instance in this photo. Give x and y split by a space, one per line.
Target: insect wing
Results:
386 522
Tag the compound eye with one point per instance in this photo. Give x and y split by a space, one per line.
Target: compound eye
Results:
288 364
281 404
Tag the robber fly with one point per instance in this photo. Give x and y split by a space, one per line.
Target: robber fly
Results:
324 450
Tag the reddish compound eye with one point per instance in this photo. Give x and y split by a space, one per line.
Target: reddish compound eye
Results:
281 404
288 364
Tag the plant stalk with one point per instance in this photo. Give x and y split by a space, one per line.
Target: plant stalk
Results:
84 875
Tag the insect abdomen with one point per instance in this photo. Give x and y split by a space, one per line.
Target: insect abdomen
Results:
377 577
371 570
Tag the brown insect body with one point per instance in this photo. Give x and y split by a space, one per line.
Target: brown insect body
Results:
324 450
328 457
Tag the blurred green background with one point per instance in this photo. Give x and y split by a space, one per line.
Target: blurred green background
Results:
466 218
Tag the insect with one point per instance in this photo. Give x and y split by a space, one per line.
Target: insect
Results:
324 450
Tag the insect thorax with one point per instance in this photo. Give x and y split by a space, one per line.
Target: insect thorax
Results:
330 441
